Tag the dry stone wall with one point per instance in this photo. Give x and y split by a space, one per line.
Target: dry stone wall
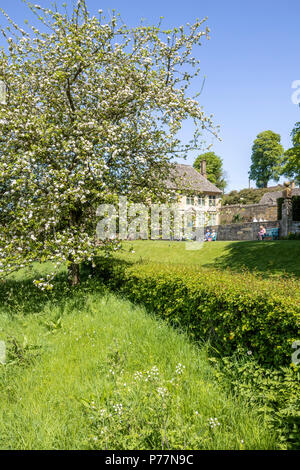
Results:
247 213
245 231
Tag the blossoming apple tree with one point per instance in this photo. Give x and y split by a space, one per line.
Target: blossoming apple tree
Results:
92 109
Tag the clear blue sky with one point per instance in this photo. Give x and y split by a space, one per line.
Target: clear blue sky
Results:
250 63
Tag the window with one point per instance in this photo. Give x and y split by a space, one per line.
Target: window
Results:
201 200
190 200
212 200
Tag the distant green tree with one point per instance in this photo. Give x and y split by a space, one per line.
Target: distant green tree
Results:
247 196
267 155
291 158
214 168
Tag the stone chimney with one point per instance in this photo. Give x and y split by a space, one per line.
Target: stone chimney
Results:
203 168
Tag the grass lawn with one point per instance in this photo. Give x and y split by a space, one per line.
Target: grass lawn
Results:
268 258
88 370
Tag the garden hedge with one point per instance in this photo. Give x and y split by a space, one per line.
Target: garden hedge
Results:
233 311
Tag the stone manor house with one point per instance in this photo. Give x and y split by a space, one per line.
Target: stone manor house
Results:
198 196
195 194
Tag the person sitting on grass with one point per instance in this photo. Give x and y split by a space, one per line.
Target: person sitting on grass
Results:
213 235
261 233
207 235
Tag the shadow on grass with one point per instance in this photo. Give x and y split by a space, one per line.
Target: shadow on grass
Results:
19 296
269 258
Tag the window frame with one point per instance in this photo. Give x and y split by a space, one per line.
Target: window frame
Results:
202 199
190 198
212 200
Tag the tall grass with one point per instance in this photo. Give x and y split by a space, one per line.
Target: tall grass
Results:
86 369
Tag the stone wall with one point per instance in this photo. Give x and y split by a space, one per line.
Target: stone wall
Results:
265 214
247 213
244 231
294 227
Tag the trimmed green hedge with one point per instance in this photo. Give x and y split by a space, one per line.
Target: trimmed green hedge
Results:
233 311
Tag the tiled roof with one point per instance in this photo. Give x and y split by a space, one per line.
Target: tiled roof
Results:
185 177
271 198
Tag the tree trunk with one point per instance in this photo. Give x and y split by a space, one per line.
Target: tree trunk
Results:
73 274
73 268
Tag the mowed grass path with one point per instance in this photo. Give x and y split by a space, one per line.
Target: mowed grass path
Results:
88 370
268 258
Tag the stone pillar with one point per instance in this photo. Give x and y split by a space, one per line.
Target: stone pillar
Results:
286 210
